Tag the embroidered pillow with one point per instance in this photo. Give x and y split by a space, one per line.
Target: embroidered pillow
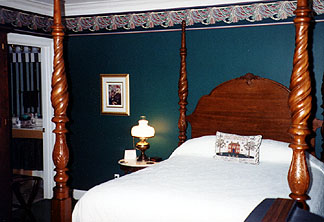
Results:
238 148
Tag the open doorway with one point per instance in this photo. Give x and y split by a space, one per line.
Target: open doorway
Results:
45 46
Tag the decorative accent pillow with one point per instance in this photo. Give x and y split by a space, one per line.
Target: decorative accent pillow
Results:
238 148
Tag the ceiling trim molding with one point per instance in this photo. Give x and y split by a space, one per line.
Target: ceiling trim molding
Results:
30 6
115 7
74 8
256 13
274 11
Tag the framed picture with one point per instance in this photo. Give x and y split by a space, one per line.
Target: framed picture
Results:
115 94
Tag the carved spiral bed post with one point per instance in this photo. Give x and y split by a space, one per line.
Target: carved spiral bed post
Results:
300 103
183 88
61 202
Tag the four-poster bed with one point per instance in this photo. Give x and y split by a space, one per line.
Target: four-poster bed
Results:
239 106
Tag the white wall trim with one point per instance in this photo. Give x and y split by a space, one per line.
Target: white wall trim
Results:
39 7
91 7
77 194
38 173
47 54
117 6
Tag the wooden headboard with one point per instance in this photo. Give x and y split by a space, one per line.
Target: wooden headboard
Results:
248 105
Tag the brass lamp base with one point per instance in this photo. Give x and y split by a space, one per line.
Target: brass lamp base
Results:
142 146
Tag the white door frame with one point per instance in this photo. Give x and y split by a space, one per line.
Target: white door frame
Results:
47 54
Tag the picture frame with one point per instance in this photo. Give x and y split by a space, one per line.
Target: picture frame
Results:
115 94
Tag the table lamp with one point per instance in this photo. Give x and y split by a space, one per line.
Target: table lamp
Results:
142 131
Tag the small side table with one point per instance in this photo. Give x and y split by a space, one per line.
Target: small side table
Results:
130 166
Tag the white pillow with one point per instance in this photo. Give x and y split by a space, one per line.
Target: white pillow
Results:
275 151
202 146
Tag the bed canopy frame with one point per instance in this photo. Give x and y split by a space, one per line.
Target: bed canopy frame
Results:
299 102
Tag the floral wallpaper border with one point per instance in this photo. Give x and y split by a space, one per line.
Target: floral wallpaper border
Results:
19 19
256 12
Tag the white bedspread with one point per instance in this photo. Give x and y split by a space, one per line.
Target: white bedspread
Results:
193 188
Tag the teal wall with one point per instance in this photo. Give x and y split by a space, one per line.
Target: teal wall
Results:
152 60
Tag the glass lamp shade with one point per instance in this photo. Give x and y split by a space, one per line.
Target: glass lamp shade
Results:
142 130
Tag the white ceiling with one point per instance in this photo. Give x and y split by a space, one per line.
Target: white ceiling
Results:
88 7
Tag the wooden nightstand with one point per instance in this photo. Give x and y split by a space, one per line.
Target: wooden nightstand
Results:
130 166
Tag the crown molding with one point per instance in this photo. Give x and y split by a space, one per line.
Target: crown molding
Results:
117 6
92 7
258 13
30 6
231 14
